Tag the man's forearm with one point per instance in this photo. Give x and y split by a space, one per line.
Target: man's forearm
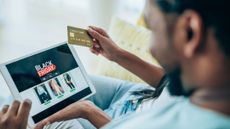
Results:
97 117
146 71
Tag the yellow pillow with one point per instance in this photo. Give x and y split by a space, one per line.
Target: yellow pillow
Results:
134 39
141 21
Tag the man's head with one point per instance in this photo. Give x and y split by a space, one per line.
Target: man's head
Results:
191 41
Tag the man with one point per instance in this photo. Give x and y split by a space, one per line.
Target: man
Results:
191 42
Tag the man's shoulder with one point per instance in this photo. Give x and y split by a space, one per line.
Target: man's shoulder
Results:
175 115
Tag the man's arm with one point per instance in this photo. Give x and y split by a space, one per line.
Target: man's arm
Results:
82 109
146 71
104 45
97 117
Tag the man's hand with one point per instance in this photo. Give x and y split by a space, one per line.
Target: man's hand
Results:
103 44
81 109
15 116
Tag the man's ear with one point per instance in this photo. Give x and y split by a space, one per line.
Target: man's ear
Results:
194 28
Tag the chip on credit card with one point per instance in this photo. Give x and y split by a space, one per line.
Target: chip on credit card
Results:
79 36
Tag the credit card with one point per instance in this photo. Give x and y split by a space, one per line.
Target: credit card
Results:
79 36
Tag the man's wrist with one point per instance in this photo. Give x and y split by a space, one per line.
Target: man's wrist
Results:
96 116
87 110
120 56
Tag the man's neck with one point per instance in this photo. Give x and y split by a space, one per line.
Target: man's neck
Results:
214 99
212 77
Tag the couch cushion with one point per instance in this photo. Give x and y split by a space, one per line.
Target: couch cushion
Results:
134 39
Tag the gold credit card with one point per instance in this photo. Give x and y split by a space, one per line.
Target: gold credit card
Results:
78 36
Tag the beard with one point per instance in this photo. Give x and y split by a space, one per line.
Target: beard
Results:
175 86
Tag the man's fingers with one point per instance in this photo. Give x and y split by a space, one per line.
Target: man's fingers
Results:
65 114
96 35
47 121
94 51
24 110
41 124
96 47
5 109
100 30
13 110
53 118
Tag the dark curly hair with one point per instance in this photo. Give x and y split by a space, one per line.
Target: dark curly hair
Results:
214 13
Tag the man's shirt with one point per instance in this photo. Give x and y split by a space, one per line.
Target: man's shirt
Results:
175 115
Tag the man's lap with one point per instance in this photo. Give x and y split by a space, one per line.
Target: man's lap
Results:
109 91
